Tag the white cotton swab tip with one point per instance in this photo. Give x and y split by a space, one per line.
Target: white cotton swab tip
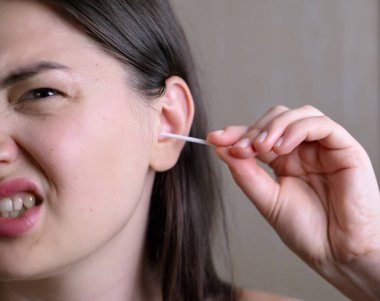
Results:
186 138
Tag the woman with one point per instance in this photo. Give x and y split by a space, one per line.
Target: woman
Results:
97 205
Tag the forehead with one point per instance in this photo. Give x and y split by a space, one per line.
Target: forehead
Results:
31 23
31 31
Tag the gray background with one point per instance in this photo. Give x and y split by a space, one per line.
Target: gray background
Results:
254 54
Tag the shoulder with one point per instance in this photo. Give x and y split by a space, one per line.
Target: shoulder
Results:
251 295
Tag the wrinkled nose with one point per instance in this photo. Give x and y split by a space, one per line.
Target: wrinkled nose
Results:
8 149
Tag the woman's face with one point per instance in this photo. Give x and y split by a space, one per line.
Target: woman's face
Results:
74 135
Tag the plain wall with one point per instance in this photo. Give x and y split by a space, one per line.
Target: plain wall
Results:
254 54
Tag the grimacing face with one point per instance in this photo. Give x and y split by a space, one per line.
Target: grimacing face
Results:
73 130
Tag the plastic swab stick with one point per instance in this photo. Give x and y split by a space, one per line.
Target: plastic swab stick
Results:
186 138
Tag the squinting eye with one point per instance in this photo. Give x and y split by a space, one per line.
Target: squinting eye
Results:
37 94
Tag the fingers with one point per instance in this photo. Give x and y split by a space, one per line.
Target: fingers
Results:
316 128
254 181
269 116
228 136
241 137
272 132
233 135
280 131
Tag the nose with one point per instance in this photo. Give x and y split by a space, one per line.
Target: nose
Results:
8 149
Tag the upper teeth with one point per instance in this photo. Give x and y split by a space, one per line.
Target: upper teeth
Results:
16 202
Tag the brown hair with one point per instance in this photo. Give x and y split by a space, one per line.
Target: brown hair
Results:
146 36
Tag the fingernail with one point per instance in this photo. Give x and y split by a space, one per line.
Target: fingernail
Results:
243 143
279 142
261 138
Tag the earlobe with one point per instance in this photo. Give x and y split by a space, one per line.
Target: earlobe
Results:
176 115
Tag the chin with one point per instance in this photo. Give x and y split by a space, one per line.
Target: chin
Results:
16 273
22 270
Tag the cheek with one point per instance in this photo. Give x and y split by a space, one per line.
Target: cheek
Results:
95 164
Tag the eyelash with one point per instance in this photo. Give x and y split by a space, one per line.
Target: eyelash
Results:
35 94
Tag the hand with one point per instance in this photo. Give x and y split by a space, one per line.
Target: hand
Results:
325 202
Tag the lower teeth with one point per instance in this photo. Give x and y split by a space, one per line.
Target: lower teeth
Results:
14 213
16 205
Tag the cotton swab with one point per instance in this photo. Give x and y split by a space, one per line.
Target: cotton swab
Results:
186 138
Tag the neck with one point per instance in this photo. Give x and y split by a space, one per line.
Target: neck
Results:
108 283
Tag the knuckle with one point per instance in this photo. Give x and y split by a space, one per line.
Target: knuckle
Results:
275 123
233 128
278 109
325 120
304 124
311 109
308 107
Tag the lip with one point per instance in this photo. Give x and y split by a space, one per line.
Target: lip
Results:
14 186
15 227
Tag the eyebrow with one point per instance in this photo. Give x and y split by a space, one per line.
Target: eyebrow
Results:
29 71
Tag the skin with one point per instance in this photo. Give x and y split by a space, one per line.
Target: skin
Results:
325 202
92 147
250 295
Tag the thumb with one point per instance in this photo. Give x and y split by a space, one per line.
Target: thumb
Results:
254 181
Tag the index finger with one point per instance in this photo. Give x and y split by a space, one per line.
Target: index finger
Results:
227 137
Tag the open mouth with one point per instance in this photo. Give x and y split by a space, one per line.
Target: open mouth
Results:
17 204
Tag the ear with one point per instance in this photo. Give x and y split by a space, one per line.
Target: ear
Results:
175 115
